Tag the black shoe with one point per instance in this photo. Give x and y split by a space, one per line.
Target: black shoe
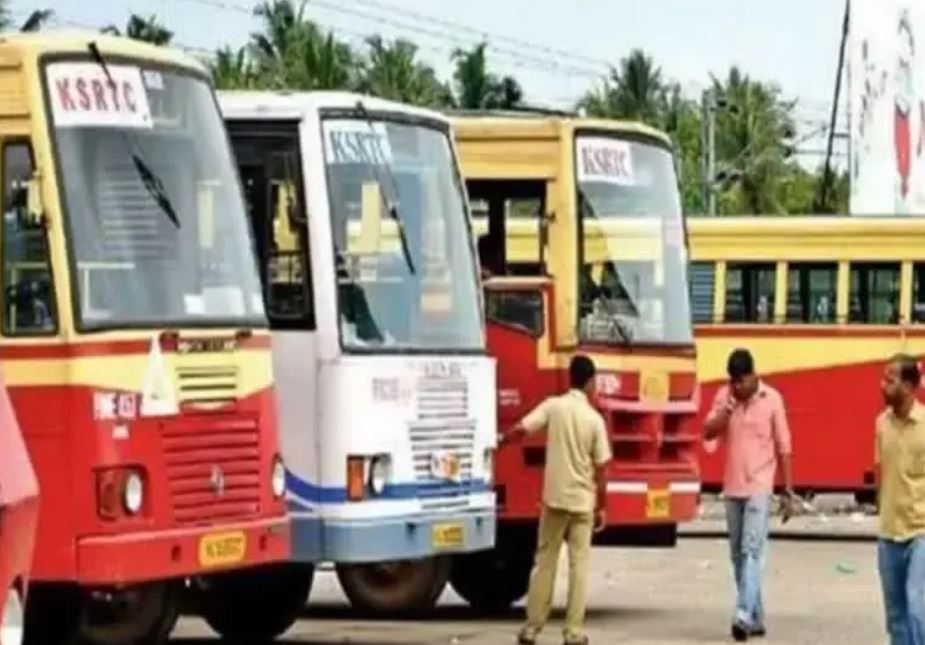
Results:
526 638
740 632
584 640
758 632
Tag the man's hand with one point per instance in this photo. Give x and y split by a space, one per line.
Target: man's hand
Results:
790 505
516 433
600 520
718 421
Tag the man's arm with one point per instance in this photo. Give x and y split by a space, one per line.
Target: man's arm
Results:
600 504
601 454
718 420
877 471
783 444
537 419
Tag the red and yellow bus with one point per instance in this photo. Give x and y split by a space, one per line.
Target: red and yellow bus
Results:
822 303
134 343
19 505
582 233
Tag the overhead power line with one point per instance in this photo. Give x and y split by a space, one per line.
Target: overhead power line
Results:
514 57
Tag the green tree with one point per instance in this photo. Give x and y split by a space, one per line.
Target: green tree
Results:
233 70
293 52
479 89
34 22
392 71
751 129
149 30
633 90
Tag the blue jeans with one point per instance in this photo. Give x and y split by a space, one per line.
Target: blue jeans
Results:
902 575
747 520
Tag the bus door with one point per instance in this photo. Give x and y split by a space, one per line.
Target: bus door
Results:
510 218
270 167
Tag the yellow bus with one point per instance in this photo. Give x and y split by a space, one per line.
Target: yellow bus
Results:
135 345
580 230
822 302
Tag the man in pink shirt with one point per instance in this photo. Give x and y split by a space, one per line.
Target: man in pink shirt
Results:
751 417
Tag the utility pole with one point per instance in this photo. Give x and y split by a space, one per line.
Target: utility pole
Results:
822 200
708 120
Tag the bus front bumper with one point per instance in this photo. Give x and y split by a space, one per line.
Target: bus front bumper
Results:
180 552
389 539
640 502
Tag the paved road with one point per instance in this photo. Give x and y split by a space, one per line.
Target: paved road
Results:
817 594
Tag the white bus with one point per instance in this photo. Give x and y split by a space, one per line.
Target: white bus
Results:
386 391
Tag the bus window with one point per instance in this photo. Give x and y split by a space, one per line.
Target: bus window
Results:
512 210
522 310
28 304
270 169
918 292
874 294
702 283
750 293
811 293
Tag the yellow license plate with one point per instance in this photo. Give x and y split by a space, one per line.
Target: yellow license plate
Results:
222 549
658 504
448 536
654 386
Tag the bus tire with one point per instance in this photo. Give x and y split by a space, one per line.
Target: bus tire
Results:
68 615
402 587
492 581
256 605
60 601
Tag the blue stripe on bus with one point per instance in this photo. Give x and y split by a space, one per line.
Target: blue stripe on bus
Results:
309 492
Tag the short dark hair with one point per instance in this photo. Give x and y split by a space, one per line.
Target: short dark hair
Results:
740 364
580 371
909 371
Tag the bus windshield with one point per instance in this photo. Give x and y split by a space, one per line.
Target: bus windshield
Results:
406 276
156 224
633 281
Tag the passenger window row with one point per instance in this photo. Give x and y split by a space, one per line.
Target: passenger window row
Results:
810 291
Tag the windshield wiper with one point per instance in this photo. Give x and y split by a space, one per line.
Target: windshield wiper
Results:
155 188
149 180
391 205
99 60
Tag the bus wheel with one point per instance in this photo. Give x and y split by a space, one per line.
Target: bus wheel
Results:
491 581
407 586
138 615
256 605
12 619
61 601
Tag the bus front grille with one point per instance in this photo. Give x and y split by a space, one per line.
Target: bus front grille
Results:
443 428
207 386
213 469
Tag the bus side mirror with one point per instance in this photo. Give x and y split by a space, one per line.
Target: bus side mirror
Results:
35 207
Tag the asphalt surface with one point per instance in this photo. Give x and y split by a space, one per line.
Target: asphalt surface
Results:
816 592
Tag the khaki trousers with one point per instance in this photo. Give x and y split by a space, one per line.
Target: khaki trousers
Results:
557 526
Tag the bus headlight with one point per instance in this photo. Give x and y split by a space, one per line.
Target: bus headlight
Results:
378 474
490 465
133 493
278 478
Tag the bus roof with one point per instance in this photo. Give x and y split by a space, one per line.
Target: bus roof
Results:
806 237
244 104
505 125
71 41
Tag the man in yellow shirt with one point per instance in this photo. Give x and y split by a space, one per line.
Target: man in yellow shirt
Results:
900 459
574 495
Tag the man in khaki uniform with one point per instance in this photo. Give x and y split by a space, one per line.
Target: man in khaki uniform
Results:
900 459
574 494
